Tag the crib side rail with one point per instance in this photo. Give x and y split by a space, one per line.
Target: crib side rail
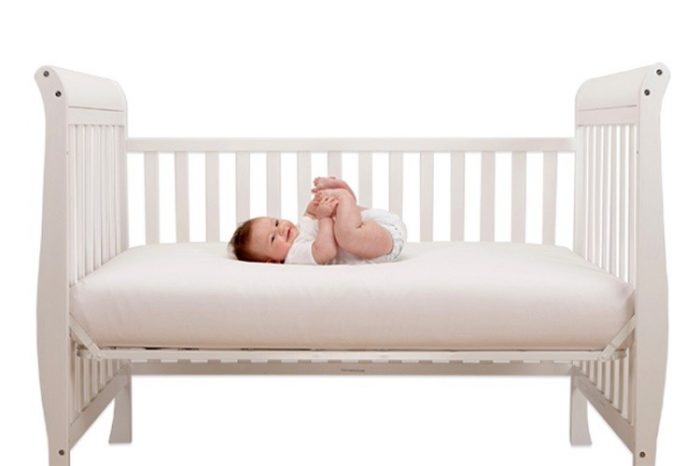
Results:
619 222
334 150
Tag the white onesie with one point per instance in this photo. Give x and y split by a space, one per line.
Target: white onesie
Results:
300 251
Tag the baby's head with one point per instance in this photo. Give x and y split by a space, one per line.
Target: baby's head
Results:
263 239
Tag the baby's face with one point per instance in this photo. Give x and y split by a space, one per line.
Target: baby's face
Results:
271 238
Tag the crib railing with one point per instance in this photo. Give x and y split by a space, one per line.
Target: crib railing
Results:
334 151
608 189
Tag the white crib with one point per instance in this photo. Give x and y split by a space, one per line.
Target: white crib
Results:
618 228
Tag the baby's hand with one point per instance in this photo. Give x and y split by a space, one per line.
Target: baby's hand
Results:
326 207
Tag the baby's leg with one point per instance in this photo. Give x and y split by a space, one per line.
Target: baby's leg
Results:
365 240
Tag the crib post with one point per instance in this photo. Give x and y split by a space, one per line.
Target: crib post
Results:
650 344
53 337
579 434
121 420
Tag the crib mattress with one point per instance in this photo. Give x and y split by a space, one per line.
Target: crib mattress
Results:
440 295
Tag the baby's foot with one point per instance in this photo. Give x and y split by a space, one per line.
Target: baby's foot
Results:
327 182
335 193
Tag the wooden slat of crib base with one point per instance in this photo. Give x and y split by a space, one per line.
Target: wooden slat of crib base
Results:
364 162
457 193
549 197
303 180
242 186
274 184
518 196
152 208
396 183
212 196
426 196
349 144
488 196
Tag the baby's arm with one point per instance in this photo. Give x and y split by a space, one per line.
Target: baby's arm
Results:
324 248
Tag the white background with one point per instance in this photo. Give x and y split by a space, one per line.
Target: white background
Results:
343 69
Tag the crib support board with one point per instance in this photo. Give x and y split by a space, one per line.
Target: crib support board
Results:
314 356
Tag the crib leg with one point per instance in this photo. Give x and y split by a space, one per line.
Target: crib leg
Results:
578 418
121 422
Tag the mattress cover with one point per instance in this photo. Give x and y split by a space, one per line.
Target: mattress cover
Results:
438 295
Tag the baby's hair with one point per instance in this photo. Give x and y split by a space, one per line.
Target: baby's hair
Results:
240 242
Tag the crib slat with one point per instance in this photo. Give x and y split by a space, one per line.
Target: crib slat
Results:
623 203
104 181
81 224
488 195
597 201
335 164
72 207
632 256
549 197
617 381
625 386
182 199
116 224
123 192
612 260
518 196
151 179
580 193
590 155
606 171
242 186
396 183
100 243
89 214
364 162
112 190
426 196
303 180
274 184
607 378
212 195
457 196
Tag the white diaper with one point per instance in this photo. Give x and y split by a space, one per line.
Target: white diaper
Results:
394 225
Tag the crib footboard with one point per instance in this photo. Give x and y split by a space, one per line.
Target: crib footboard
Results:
619 227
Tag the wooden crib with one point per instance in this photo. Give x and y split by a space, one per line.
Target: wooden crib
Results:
618 230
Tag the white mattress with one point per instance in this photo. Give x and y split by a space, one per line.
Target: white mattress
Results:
441 295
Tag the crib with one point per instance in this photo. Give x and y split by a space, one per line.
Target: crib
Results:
597 312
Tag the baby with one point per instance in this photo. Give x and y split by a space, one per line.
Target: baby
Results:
332 230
